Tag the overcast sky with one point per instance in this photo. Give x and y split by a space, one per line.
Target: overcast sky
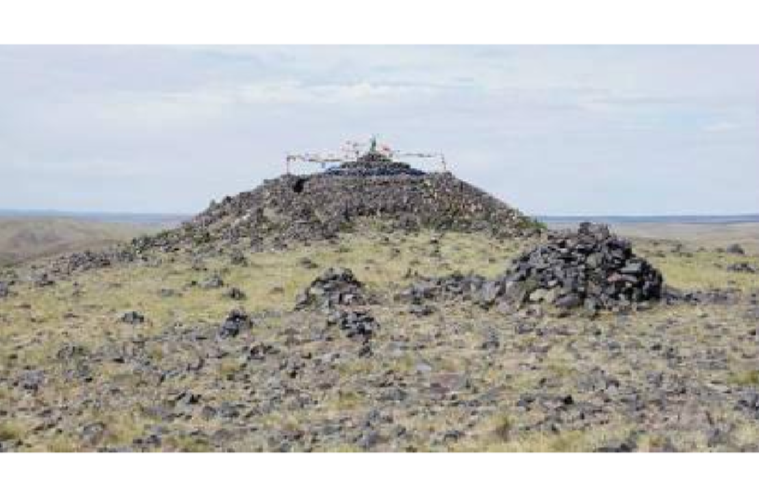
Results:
551 130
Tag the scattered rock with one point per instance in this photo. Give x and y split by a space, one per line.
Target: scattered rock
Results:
235 294
215 282
741 268
735 249
93 433
451 287
359 324
237 258
422 310
236 322
307 264
133 318
31 380
43 280
5 290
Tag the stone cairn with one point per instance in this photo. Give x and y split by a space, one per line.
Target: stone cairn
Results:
335 287
369 192
588 268
337 293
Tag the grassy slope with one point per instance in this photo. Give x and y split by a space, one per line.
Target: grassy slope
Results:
55 316
27 238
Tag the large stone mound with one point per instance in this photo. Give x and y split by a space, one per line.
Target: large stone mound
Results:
353 194
590 267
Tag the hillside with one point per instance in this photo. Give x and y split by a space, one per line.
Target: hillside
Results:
379 308
28 238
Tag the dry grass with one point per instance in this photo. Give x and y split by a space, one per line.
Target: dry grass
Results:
36 323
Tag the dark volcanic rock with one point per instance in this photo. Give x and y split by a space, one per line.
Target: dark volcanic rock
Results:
236 322
133 318
359 324
90 260
735 249
372 192
214 282
741 268
43 280
335 287
235 294
454 286
319 206
590 267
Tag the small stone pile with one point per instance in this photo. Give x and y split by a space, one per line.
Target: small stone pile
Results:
742 268
590 267
92 260
236 322
335 287
337 293
133 318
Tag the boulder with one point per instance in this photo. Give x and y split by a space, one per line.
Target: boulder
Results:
735 249
133 318
237 321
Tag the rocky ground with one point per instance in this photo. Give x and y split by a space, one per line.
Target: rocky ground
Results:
322 347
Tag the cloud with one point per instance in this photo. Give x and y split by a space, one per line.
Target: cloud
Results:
553 129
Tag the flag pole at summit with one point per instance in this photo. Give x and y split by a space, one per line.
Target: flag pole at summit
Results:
351 152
